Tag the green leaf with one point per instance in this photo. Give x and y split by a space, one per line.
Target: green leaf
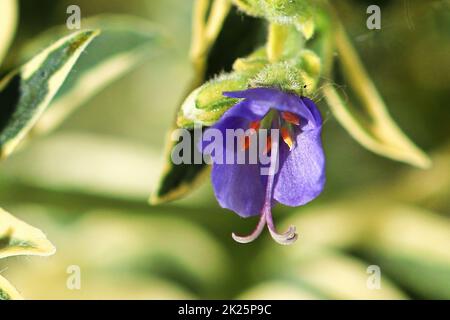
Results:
8 23
380 134
123 44
7 291
178 180
18 238
370 135
26 93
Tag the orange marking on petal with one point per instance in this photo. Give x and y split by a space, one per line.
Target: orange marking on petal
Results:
291 117
246 143
268 145
286 135
255 125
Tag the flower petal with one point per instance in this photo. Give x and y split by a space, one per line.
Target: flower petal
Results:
316 120
246 109
239 188
228 123
270 98
302 173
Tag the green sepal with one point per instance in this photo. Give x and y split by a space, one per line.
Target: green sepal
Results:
253 63
292 12
250 7
299 75
206 104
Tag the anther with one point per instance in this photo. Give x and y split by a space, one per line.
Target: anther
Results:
291 117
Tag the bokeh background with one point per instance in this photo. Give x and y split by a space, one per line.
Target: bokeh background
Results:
86 185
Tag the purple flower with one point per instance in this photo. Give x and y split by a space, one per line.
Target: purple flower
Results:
299 176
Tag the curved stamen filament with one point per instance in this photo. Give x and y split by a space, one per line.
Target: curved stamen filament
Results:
255 234
290 236
287 238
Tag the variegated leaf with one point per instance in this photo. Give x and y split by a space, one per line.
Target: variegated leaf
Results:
7 291
18 238
380 134
124 42
178 180
8 22
26 93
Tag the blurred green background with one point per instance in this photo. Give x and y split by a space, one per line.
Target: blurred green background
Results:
86 185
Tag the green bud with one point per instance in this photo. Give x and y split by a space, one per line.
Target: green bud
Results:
286 75
284 9
296 12
285 12
252 63
211 95
206 104
306 26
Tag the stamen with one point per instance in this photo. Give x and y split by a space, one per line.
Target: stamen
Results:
255 125
255 234
246 143
286 135
290 236
268 145
291 117
287 238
